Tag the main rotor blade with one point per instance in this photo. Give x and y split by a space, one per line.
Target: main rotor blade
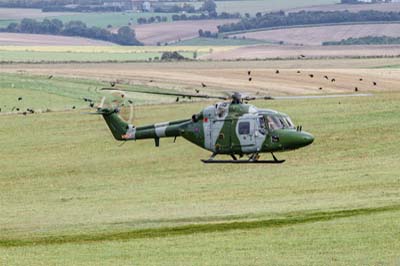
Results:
201 96
303 97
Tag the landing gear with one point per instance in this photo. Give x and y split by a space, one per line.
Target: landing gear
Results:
253 158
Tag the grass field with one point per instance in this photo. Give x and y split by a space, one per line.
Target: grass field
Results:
97 53
117 19
71 195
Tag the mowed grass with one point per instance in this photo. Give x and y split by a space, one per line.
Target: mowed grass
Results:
72 195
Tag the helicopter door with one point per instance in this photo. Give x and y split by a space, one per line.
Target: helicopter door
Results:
246 133
220 134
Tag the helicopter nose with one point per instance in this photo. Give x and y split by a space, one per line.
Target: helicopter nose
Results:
306 138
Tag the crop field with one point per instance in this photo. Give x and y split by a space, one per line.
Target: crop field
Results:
71 195
160 33
279 52
232 76
383 7
254 6
23 39
318 35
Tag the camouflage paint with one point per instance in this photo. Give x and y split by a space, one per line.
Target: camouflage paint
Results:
216 129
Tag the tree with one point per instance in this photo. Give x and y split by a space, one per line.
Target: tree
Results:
126 36
209 5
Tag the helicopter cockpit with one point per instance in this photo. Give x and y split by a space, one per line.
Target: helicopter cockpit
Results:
278 121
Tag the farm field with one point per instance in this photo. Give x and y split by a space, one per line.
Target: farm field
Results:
318 35
71 195
229 76
384 7
219 42
24 39
254 6
262 52
20 13
152 34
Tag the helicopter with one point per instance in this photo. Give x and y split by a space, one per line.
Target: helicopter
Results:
231 127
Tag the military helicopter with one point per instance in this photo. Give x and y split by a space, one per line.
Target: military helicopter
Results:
231 127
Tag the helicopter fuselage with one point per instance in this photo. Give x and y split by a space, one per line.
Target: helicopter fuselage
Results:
223 128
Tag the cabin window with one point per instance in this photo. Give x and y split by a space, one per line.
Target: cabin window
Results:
244 128
261 125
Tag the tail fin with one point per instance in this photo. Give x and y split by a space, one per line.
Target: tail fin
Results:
117 126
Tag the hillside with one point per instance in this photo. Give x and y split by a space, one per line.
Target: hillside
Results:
318 35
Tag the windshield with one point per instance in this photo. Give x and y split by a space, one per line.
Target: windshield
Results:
279 122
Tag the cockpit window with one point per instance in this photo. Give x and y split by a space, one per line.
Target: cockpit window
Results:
274 123
279 122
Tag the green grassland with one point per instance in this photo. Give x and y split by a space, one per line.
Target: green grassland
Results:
115 19
72 195
65 56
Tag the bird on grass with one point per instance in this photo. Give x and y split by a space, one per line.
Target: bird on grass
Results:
374 83
19 98
203 85
277 72
320 88
250 79
356 89
360 79
298 71
177 99
333 80
311 75
326 77
112 83
249 73
50 77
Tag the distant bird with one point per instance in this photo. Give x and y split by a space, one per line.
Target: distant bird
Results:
151 80
0 110
302 56
50 77
19 98
91 105
374 83
17 109
249 73
320 88
298 71
203 85
130 101
177 99
356 89
311 75
24 113
326 77
250 79
333 80
112 83
197 91
73 107
277 72
361 79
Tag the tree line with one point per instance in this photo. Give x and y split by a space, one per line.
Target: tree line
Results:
368 40
281 19
124 36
